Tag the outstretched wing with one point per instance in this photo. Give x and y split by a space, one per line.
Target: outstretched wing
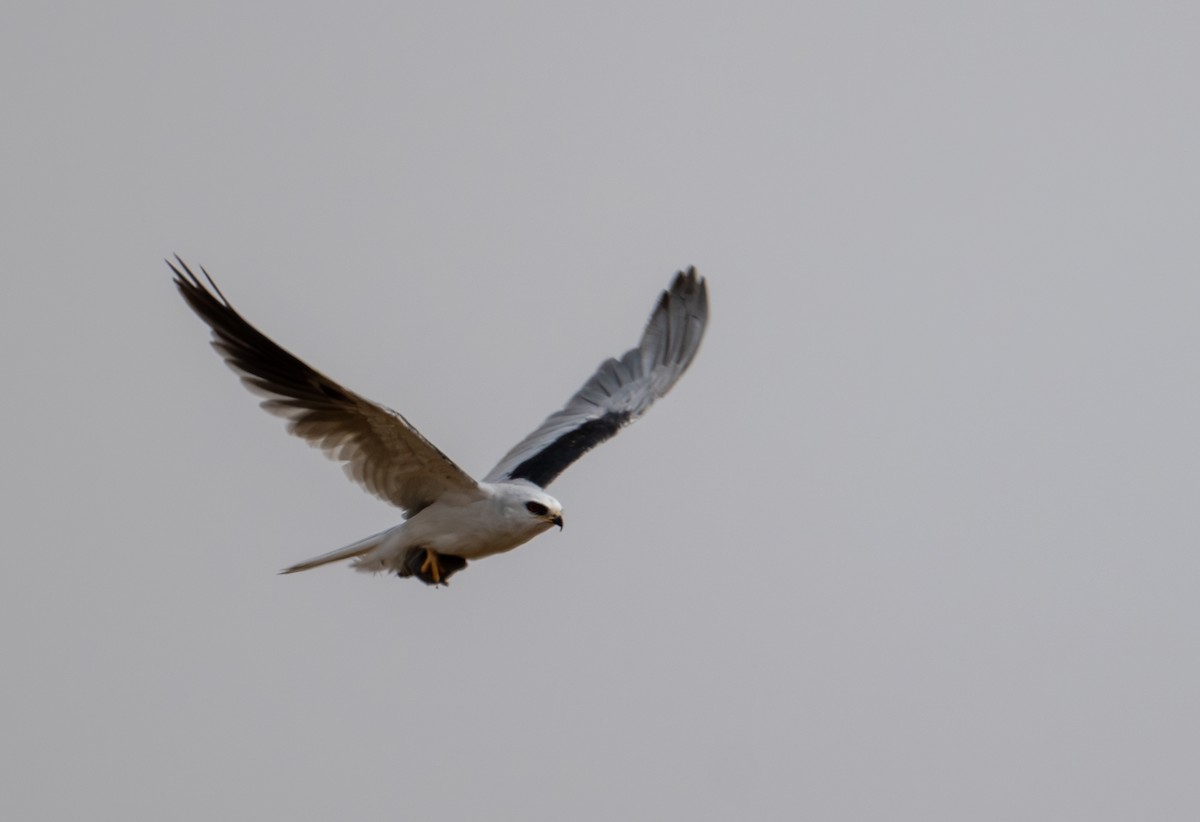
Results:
380 449
619 392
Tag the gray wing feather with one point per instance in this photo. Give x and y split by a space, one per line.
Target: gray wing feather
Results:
381 450
620 391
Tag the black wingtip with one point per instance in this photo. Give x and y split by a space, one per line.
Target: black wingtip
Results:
179 277
215 287
687 281
187 281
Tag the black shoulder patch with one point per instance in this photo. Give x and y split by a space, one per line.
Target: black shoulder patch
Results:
545 465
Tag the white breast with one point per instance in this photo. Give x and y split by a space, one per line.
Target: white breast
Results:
472 530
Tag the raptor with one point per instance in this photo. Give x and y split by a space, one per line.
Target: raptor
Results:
449 517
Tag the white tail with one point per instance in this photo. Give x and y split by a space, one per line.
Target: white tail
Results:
349 552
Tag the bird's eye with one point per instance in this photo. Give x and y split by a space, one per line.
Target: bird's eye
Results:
537 509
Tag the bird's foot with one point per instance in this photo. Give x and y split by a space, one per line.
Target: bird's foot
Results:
430 566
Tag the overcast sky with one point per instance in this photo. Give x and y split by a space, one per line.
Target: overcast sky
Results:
914 539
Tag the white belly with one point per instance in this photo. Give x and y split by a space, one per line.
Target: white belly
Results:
471 531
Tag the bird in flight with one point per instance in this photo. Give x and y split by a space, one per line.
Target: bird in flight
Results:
451 518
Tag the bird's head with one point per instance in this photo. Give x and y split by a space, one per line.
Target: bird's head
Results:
542 506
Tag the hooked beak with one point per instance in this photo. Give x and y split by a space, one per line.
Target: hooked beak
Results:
558 521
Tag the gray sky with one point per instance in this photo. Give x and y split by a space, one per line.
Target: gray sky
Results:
915 538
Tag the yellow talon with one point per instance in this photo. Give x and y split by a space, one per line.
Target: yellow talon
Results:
431 565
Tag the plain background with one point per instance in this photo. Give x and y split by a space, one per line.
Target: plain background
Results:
915 538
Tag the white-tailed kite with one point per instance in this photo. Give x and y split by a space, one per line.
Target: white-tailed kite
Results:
449 517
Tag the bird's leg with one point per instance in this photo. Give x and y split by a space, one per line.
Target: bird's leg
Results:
431 565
